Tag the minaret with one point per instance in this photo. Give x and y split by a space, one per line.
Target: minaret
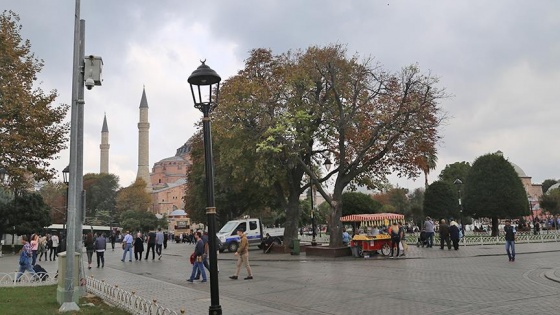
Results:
104 146
144 141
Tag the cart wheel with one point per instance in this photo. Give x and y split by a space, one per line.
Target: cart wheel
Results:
360 251
386 250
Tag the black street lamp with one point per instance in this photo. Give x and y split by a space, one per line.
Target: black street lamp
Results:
66 180
3 174
458 183
205 76
327 165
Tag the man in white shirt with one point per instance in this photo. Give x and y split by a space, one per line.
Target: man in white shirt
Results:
54 247
127 246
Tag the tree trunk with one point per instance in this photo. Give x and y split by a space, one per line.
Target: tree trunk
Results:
293 213
495 226
336 212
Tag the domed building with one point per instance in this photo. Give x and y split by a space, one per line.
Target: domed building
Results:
168 179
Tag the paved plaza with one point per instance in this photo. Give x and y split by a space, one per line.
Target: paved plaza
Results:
473 280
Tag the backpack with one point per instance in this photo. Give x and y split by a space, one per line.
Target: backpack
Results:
41 272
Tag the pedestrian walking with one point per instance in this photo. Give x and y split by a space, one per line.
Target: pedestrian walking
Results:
112 239
454 234
42 247
429 229
138 246
166 235
25 256
242 256
444 235
204 256
53 252
127 246
100 246
159 242
34 248
198 253
151 245
511 236
89 244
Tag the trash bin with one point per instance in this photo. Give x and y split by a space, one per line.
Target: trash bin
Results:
61 291
295 247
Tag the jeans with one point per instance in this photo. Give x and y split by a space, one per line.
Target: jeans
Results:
34 257
53 250
430 236
510 245
152 247
100 257
158 249
198 267
23 268
395 242
205 263
128 249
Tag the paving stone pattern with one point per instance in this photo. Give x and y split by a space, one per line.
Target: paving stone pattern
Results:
472 280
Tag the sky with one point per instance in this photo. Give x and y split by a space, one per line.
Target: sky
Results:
498 61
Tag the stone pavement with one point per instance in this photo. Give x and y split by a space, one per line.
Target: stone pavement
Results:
473 280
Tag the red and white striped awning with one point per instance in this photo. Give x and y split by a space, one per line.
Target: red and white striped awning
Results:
373 219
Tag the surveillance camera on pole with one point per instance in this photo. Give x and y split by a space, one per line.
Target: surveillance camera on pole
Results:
93 66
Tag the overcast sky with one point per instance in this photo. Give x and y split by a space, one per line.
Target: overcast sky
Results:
498 59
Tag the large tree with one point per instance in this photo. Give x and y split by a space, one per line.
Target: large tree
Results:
303 107
457 170
55 196
493 189
28 213
440 201
550 201
357 203
101 191
32 131
134 197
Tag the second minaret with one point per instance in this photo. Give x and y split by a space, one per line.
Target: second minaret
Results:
144 141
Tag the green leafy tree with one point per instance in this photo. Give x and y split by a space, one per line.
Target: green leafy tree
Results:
416 199
101 192
457 170
299 108
54 195
440 201
134 197
550 201
547 183
358 203
493 189
139 221
28 213
235 194
32 131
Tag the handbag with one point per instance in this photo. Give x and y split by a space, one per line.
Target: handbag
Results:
123 245
192 258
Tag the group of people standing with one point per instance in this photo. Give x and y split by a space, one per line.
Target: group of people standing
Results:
448 234
154 243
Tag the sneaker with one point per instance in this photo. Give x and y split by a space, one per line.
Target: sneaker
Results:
233 277
159 258
122 260
248 278
203 281
197 278
190 280
130 260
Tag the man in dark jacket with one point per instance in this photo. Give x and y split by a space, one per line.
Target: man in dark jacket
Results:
198 253
100 245
510 233
444 234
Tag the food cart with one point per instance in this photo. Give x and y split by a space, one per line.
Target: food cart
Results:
365 244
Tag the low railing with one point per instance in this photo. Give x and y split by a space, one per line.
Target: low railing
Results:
128 301
26 279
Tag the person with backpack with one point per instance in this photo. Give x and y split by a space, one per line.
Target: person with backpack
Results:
100 246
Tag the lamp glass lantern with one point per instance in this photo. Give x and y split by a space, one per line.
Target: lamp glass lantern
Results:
328 164
65 175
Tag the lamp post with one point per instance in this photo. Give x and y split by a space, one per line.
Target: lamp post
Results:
458 183
530 199
204 76
65 174
327 165
4 179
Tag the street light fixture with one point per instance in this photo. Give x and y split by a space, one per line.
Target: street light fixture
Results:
327 165
458 183
66 180
3 174
201 77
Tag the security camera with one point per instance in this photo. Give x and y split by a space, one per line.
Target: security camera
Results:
90 83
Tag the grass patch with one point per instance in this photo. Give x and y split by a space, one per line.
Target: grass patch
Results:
42 300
